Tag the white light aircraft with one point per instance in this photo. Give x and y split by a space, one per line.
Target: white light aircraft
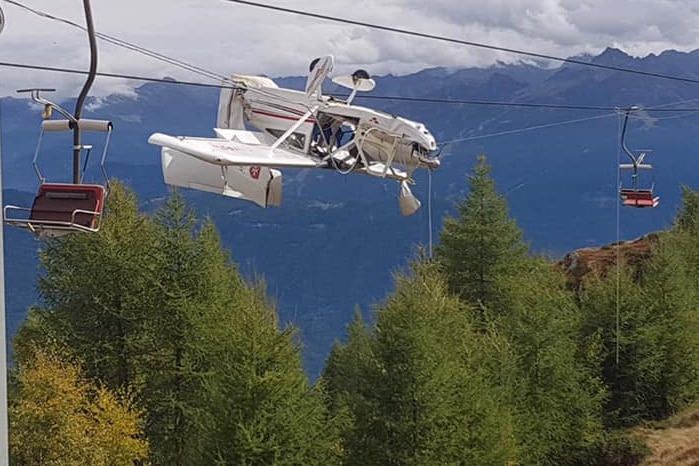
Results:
296 129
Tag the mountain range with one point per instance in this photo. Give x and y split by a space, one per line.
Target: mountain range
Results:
336 240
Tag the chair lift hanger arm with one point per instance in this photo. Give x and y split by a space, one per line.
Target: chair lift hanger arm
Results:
86 88
623 135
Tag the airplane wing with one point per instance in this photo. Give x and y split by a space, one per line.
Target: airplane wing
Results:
242 149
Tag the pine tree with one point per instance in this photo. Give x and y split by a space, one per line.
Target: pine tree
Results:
688 218
154 304
556 396
415 391
268 412
657 368
483 244
93 291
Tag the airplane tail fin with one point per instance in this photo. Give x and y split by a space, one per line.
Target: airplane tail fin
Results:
230 100
230 109
318 70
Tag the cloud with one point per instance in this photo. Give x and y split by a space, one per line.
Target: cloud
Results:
227 38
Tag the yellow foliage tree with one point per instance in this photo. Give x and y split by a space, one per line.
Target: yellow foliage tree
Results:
57 418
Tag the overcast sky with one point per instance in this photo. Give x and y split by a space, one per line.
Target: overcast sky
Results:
231 38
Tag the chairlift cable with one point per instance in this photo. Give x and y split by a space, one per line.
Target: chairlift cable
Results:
453 40
671 117
657 108
218 76
141 78
529 128
204 72
29 66
502 103
136 48
122 43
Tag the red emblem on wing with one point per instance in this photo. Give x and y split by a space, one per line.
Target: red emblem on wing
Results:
255 172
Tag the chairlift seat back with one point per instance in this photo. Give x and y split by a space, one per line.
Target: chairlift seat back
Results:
70 204
639 198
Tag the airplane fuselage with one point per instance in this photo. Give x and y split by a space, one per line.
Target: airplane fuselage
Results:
384 137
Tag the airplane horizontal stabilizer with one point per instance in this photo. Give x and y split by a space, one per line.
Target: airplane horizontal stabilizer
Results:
261 185
218 151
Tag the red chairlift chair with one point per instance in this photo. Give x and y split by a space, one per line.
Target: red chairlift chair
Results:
639 198
62 208
635 196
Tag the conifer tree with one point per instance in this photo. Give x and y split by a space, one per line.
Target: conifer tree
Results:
684 233
128 302
94 289
555 395
59 418
154 304
657 368
482 244
268 412
688 218
670 293
344 370
187 295
416 392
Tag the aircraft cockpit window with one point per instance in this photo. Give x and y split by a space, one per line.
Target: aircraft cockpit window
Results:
296 140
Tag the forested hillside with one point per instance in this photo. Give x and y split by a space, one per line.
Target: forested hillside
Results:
487 354
336 239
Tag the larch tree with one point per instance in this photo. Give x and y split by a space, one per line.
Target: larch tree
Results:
482 244
269 413
57 417
554 391
417 394
94 289
650 366
153 304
